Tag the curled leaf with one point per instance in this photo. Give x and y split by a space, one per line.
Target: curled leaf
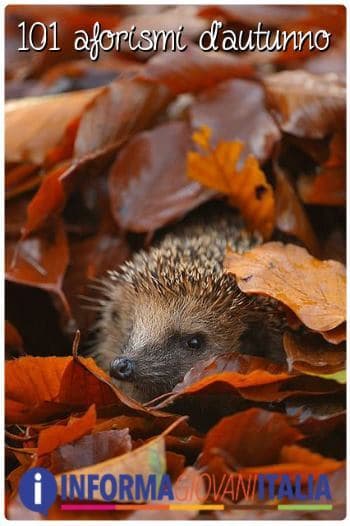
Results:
314 290
57 435
311 354
38 389
306 105
328 185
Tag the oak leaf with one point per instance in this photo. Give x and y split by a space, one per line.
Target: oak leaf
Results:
247 188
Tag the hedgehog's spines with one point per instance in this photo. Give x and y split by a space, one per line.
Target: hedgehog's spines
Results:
190 263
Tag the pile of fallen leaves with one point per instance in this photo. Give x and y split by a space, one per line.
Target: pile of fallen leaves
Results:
100 156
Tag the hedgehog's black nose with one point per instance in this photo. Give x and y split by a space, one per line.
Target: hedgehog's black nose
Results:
121 368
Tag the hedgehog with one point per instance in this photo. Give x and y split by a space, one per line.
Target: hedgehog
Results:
173 305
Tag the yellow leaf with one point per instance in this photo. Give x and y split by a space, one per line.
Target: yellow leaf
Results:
247 188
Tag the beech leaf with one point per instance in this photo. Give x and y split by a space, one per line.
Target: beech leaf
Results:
314 290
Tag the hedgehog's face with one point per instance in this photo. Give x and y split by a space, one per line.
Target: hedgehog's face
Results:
149 341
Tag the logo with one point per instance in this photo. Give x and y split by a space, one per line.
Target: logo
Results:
38 489
92 492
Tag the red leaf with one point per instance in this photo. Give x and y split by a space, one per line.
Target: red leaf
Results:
148 182
235 110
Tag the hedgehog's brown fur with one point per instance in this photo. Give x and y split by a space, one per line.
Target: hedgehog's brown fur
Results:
159 299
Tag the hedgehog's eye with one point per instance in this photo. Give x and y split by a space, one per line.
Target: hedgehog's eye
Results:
195 343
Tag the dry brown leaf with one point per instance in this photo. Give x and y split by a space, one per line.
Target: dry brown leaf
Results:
296 460
306 105
328 185
38 389
106 121
236 369
314 290
57 435
148 183
258 441
337 335
193 70
249 438
235 110
41 260
291 216
90 449
43 121
311 354
147 459
247 188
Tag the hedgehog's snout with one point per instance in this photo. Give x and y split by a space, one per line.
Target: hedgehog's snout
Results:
122 369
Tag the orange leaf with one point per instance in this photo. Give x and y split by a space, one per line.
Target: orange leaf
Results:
57 435
50 197
259 441
237 370
296 460
43 123
328 186
40 260
87 125
311 354
249 438
337 335
314 290
19 178
247 187
38 389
